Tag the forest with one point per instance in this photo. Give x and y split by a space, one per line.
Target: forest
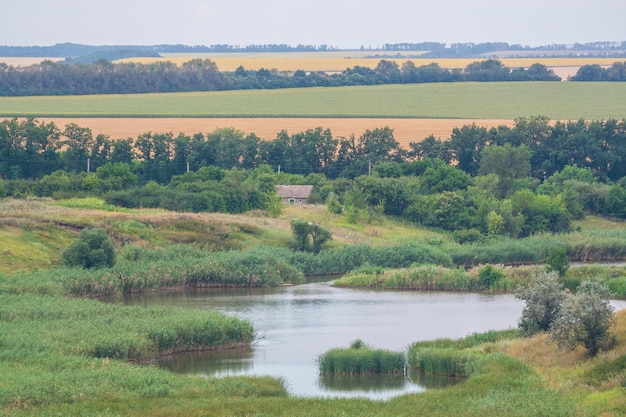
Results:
104 77
536 176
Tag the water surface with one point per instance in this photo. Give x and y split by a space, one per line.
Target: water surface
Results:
297 324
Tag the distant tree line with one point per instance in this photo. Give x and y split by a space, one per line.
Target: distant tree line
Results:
533 177
104 77
80 52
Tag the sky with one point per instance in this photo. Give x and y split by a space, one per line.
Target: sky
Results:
335 23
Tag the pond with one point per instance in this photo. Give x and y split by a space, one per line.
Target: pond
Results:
296 324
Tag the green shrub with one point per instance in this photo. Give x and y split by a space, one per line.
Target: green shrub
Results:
92 249
490 276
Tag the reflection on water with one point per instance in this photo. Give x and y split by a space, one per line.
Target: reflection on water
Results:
383 382
299 323
219 362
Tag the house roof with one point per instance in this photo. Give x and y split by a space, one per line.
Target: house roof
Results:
294 191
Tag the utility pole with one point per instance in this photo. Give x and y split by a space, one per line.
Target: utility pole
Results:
88 165
187 166
279 168
369 168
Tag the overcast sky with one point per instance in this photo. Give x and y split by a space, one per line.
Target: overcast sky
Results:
338 23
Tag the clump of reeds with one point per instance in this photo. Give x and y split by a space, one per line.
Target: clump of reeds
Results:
422 277
360 359
454 357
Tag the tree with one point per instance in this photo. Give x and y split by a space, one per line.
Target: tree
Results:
466 145
92 249
79 144
309 237
584 318
543 298
557 261
488 70
508 163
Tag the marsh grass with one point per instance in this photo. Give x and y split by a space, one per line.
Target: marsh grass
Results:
360 359
61 350
180 266
430 277
455 357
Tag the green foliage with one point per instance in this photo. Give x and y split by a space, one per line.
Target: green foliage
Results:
309 237
541 213
489 276
544 299
495 224
616 201
334 206
92 249
557 261
508 163
275 205
467 236
585 319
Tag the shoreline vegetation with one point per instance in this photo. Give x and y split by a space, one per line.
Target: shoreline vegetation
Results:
67 354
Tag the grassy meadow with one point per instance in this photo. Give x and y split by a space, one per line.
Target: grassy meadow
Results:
506 100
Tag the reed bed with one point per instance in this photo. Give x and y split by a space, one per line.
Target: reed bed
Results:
434 278
360 359
62 350
458 358
151 271
107 331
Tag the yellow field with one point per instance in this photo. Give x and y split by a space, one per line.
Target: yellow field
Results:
26 61
405 130
339 61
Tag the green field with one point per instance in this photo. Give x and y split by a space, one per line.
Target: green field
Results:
556 100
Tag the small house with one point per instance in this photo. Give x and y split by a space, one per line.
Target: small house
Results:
294 194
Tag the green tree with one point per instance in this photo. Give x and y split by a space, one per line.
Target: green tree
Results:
495 224
92 249
466 145
615 202
543 298
557 261
508 163
309 237
584 319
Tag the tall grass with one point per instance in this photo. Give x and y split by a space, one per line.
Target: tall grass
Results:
56 349
453 357
107 331
360 359
433 278
160 269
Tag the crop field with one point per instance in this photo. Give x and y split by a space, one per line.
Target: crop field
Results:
413 111
405 130
505 100
339 61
